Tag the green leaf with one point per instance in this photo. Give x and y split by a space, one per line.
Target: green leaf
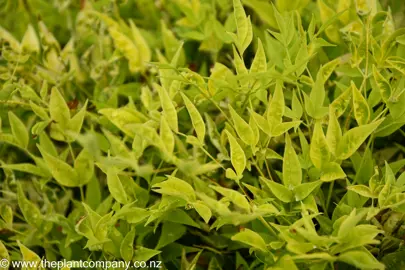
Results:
39 111
169 111
84 167
383 85
280 192
127 47
196 119
292 173
282 128
4 254
264 10
58 108
63 173
389 126
123 117
349 223
174 186
29 255
170 233
328 17
339 105
127 245
6 213
261 122
115 186
250 238
29 210
28 168
166 135
317 95
18 130
75 124
362 259
352 139
360 106
275 111
332 171
361 190
145 54
132 214
334 132
203 210
243 27
259 63
304 190
144 254
239 63
319 150
243 129
296 106
238 157
328 68
234 196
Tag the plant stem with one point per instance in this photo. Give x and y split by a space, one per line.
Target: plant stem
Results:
329 196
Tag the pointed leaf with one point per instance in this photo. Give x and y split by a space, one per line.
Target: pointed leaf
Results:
292 173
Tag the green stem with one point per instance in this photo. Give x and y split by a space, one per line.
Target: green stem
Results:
81 193
329 196
262 220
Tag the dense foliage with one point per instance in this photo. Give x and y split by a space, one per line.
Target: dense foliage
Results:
207 134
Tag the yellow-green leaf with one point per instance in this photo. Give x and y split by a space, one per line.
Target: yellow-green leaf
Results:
234 196
63 173
238 157
259 63
115 186
18 129
166 135
58 108
243 26
352 139
127 48
340 104
127 245
328 68
145 54
30 41
76 123
4 255
360 105
292 174
304 190
261 122
243 129
332 171
383 85
174 186
280 192
250 238
29 256
196 118
275 111
334 132
319 150
30 211
203 210
168 108
84 166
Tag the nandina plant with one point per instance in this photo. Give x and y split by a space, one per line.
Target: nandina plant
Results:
210 134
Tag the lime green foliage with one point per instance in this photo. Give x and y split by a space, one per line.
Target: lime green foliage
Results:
206 134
